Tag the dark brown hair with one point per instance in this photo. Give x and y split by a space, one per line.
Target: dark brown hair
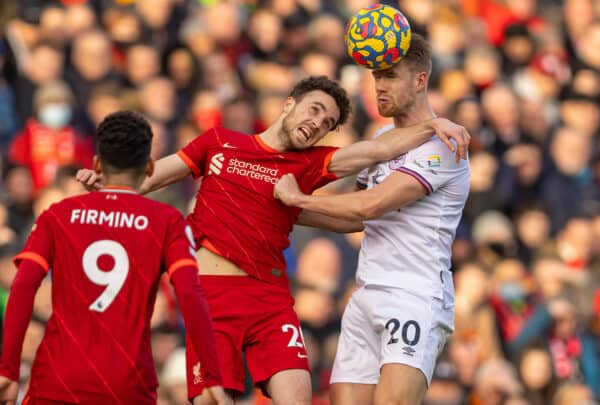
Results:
328 86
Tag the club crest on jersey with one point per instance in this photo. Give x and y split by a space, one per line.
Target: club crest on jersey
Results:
216 164
196 373
434 161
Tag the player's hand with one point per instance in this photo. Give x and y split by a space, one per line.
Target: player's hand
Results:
8 390
287 189
90 179
446 130
219 395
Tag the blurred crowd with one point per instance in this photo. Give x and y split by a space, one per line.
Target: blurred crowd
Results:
523 76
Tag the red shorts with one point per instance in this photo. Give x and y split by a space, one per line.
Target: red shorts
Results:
253 317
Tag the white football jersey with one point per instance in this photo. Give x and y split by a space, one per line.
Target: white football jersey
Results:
410 248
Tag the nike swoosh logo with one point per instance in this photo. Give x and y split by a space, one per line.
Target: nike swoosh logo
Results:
302 356
227 145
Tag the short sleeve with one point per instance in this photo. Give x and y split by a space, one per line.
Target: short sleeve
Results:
40 244
433 165
179 249
194 153
318 173
362 179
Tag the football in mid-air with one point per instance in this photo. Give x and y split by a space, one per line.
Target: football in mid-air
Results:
377 37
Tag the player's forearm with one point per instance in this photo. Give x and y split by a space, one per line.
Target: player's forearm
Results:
397 141
323 221
198 324
353 158
18 315
357 206
167 170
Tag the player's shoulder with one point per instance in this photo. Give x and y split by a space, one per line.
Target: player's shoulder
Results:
435 146
382 130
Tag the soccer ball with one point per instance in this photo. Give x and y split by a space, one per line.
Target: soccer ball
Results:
377 37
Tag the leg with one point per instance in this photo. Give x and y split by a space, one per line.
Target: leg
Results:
400 384
275 351
206 399
356 367
351 394
290 387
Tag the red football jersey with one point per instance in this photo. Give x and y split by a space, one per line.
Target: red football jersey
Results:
236 215
106 252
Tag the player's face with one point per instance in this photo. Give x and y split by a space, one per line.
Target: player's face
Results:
310 119
396 90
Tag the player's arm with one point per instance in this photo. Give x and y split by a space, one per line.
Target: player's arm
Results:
194 310
167 170
318 220
18 314
397 190
395 142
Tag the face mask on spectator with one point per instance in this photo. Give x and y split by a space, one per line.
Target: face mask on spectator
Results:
55 116
511 291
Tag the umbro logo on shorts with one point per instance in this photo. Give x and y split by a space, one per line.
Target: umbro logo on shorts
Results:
216 164
407 350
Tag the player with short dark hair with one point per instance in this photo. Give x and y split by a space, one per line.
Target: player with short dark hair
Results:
106 253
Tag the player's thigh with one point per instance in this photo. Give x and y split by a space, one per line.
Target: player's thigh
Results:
400 384
351 394
290 387
206 399
413 329
275 344
357 359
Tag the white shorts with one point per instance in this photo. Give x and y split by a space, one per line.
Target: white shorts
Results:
383 325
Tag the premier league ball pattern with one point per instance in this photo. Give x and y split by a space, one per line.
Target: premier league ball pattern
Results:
377 37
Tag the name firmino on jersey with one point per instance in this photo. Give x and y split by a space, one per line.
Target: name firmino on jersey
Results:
114 219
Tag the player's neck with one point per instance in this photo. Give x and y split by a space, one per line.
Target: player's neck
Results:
272 137
421 111
120 181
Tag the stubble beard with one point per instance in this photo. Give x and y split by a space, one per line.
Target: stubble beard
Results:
287 128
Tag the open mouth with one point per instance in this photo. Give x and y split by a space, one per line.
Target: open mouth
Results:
305 133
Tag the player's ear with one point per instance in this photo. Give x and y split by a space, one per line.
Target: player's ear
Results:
150 167
288 104
421 80
96 164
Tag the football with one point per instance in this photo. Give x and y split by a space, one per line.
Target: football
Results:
377 37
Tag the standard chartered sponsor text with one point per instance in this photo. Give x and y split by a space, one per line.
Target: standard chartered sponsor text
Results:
252 170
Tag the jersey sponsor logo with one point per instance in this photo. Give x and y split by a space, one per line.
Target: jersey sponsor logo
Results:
434 161
243 168
197 374
216 164
113 219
